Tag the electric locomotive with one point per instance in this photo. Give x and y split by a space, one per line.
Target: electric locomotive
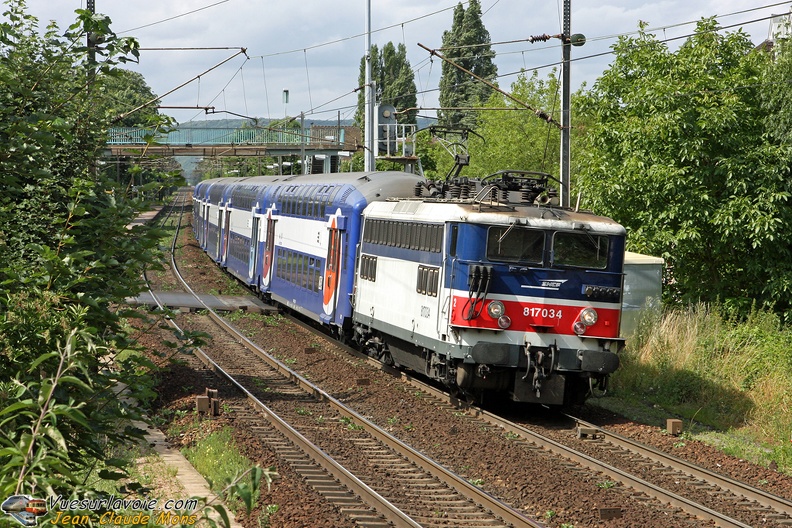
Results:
485 286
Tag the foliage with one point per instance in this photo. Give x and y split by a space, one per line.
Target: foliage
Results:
516 138
395 82
123 91
775 91
467 44
66 258
676 150
702 364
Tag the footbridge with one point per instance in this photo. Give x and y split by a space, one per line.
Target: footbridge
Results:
246 141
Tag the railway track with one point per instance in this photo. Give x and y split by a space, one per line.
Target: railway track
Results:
711 483
426 487
711 487
685 511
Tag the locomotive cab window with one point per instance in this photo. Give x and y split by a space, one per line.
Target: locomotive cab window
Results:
515 244
581 250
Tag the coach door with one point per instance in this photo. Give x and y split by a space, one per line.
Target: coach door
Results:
218 249
253 259
225 233
332 269
204 224
269 249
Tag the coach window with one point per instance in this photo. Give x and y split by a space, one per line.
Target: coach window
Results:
298 201
317 281
304 200
316 202
324 200
581 250
331 197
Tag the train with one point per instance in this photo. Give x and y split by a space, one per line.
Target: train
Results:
485 285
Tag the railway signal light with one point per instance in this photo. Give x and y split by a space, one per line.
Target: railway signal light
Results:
386 130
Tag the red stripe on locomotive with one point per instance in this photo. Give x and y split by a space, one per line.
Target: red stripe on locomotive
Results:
534 317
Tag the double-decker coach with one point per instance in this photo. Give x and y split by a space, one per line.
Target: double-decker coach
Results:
293 238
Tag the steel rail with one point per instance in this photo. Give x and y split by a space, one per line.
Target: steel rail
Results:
735 487
584 460
368 495
463 487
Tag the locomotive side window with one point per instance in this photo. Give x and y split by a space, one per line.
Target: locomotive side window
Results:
515 244
406 235
368 267
437 239
376 236
428 280
580 250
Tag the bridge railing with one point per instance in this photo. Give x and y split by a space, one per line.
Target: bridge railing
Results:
228 136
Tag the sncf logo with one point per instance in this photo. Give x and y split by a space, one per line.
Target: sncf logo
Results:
553 283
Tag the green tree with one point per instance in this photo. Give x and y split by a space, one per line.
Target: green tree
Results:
395 82
467 44
122 91
677 150
516 138
775 93
66 257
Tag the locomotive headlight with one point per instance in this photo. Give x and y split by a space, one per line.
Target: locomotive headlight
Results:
495 309
588 316
504 322
579 328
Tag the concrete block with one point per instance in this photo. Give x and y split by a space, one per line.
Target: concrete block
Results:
202 404
674 426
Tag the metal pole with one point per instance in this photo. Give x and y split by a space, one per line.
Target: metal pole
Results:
369 164
302 143
565 105
91 7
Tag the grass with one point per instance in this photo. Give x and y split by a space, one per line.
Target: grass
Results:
267 319
727 379
217 458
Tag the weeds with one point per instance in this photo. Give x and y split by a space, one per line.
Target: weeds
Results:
730 375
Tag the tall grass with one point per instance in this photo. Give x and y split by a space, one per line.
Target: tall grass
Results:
729 375
217 458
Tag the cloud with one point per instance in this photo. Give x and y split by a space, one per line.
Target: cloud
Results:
313 47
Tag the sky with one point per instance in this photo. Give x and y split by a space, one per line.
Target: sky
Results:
313 48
